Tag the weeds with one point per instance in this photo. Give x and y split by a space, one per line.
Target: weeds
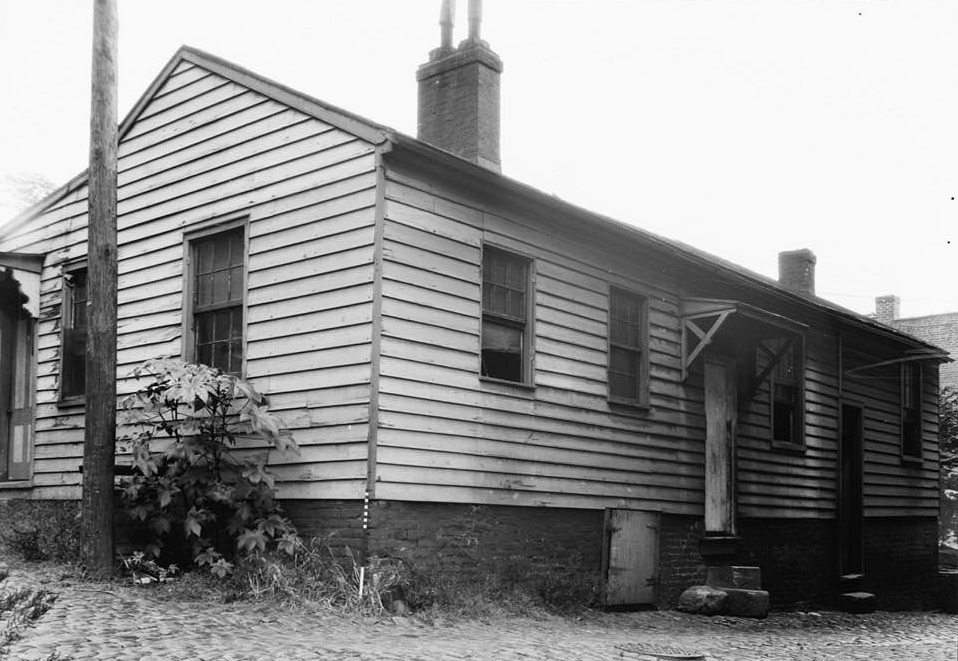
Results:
58 539
19 609
315 577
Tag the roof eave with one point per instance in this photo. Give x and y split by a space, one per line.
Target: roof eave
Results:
682 250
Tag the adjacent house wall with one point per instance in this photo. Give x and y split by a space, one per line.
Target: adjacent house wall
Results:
206 149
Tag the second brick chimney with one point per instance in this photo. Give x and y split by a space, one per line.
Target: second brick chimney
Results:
887 308
459 93
796 271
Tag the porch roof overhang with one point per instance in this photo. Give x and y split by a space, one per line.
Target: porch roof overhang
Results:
25 269
910 356
703 318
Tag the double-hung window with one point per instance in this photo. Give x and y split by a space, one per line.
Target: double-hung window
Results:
73 333
911 392
628 342
217 281
787 393
506 325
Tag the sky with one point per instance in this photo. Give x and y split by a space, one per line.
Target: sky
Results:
742 128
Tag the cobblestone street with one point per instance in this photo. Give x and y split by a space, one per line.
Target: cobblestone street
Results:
117 622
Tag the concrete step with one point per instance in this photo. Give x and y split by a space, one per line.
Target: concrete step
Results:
857 602
733 576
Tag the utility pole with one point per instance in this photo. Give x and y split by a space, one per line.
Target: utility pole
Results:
99 442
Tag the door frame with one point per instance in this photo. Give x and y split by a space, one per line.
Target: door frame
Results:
851 494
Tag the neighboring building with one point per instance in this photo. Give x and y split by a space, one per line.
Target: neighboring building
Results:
938 329
509 379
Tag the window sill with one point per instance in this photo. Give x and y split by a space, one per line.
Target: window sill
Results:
529 387
790 448
629 406
17 484
911 460
68 402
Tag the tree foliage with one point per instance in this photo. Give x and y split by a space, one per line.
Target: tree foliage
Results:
26 188
196 477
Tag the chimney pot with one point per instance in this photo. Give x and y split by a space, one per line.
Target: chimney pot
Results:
887 308
796 271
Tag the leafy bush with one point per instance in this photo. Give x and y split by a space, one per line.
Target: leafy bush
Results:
190 480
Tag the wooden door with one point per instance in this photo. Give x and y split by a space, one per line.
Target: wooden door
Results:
631 557
721 418
850 495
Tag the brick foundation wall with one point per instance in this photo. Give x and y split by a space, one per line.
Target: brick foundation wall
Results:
798 559
680 560
338 523
470 540
901 562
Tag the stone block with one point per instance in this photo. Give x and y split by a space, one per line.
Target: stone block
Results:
703 600
857 602
746 603
731 576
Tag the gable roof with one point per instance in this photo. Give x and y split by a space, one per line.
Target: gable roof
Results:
390 139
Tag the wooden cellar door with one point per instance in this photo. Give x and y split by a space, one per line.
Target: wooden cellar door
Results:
631 557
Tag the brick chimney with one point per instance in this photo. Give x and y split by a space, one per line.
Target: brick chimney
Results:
887 308
796 271
459 93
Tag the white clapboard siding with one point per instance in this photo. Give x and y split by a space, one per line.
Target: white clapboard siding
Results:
206 148
445 434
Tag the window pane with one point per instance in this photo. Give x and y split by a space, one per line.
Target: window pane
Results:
236 283
625 361
221 287
204 328
236 357
221 253
624 386
204 354
784 413
504 285
783 422
204 290
204 256
73 378
236 248
626 322
501 351
624 373
221 356
222 326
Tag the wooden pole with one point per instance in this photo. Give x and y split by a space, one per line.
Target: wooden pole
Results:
100 436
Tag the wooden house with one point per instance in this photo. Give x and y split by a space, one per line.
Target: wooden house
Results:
492 377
